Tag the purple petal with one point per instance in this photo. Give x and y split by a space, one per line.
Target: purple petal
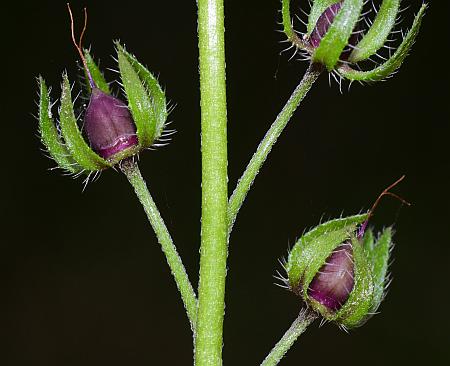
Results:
333 283
108 124
323 23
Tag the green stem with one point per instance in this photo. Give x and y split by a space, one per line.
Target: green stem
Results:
268 141
131 170
305 318
213 250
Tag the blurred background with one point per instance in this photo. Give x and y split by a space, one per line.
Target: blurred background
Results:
83 279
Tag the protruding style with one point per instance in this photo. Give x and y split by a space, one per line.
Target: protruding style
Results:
386 192
115 130
339 269
79 45
108 123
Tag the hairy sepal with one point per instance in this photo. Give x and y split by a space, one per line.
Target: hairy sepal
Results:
337 36
317 8
73 137
377 34
49 133
156 93
313 248
139 101
380 261
392 64
356 309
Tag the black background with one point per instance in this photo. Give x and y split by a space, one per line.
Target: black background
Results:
83 278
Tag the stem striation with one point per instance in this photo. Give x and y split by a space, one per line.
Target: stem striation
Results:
268 141
213 250
131 170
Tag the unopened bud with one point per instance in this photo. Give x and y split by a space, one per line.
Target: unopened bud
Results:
109 125
337 274
334 281
323 23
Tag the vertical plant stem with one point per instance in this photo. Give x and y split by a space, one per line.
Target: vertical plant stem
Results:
131 170
304 319
213 250
268 141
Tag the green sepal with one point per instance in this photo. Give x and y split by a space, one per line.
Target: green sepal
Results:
393 63
49 133
139 101
311 252
377 34
313 248
156 93
75 142
368 241
286 18
317 8
357 308
288 28
338 34
96 74
379 257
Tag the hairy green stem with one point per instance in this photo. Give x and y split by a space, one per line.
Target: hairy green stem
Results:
268 141
131 170
213 250
305 318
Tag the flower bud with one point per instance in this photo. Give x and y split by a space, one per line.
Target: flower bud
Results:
338 274
334 281
323 23
109 125
332 37
114 130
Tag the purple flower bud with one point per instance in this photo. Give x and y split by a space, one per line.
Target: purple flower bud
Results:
109 125
333 283
323 24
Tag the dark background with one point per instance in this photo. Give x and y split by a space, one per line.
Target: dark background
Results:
83 278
